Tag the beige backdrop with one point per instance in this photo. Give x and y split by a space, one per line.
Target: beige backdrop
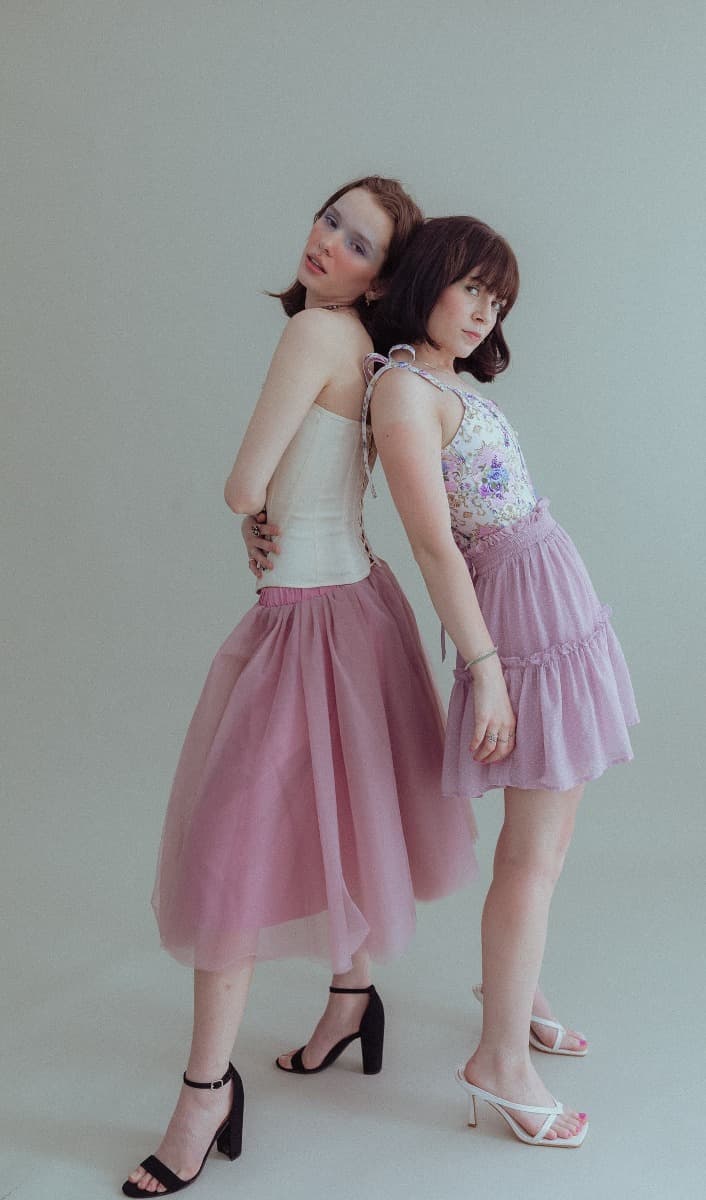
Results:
163 161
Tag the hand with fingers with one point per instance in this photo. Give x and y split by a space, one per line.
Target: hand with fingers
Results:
259 537
494 732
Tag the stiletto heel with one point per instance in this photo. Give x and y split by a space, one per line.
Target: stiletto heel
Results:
472 1114
371 1032
501 1106
228 1138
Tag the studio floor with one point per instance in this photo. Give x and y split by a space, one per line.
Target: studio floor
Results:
98 1034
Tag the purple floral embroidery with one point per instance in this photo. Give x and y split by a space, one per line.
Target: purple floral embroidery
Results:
494 479
485 475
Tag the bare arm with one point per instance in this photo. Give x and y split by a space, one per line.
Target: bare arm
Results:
408 434
303 364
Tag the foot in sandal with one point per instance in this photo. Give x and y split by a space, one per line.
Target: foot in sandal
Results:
546 1033
520 1097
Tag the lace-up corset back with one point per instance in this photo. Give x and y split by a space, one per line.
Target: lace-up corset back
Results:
485 474
316 498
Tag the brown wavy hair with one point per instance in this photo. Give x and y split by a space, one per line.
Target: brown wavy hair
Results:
442 251
407 217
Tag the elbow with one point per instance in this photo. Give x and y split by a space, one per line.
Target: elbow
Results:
432 557
239 500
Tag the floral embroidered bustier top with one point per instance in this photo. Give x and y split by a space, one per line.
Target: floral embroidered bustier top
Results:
485 473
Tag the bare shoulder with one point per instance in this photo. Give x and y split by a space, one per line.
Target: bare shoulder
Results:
402 396
324 327
307 328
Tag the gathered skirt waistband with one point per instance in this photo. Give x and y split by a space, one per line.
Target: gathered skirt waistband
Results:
488 551
275 597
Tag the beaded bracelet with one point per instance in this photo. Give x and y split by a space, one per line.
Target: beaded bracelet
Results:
488 654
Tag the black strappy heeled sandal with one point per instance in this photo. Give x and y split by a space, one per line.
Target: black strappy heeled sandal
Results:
229 1137
371 1033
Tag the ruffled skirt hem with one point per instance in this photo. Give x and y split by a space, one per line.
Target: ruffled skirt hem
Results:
564 668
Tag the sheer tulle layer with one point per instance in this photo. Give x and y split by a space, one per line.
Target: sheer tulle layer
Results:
305 815
563 665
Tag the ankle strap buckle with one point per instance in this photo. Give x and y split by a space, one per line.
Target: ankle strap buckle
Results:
215 1084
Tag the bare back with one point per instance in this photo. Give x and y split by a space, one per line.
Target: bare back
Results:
343 394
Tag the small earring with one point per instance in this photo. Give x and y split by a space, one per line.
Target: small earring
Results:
367 300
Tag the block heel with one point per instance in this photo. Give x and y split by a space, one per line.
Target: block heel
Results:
228 1139
371 1033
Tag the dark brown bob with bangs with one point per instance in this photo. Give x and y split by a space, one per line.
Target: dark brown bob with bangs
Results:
406 218
444 250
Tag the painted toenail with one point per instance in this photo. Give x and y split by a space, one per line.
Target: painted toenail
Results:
582 1116
583 1042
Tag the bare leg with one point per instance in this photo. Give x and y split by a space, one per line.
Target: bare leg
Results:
571 1040
219 1004
341 1017
528 861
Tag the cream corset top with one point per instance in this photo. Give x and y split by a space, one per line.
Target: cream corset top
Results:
316 498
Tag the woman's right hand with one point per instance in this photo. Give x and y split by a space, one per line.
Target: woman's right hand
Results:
259 536
494 732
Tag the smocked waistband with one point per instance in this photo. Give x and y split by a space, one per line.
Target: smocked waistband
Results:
488 551
272 597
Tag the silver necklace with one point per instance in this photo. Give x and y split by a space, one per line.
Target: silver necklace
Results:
423 363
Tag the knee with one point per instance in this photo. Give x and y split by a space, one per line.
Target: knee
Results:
539 863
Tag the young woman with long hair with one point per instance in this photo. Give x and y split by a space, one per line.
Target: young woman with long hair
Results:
305 815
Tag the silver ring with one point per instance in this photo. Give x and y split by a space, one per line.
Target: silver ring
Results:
491 737
503 739
255 529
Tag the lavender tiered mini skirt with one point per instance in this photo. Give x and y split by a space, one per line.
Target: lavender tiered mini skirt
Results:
306 814
565 672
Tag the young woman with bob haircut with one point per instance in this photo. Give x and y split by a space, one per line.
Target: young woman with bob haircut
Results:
305 816
542 696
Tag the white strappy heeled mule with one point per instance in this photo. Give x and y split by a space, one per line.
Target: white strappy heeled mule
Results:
501 1106
536 1042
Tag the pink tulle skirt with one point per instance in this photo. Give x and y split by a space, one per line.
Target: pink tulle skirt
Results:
306 811
565 672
